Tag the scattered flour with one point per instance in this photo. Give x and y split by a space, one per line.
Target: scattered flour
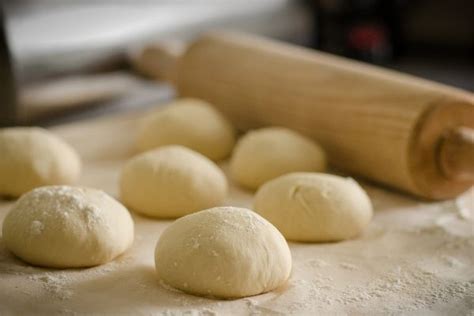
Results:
465 206
452 262
54 283
191 312
36 227
318 263
348 266
412 260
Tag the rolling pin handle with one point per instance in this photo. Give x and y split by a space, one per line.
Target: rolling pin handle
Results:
457 154
159 60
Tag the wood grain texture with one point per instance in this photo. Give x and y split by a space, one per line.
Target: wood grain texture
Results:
375 123
457 153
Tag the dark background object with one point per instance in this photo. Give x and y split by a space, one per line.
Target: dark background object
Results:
7 83
382 31
364 30
428 38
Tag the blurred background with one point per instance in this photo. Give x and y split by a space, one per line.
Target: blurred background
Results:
62 61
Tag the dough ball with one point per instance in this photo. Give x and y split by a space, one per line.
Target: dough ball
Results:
192 123
267 153
33 157
67 227
314 207
170 182
225 252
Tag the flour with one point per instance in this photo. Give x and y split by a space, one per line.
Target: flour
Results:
63 195
36 227
413 259
452 262
54 283
465 205
408 290
398 279
348 266
192 312
169 288
318 263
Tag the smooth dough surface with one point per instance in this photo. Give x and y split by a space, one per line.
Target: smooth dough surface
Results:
267 153
171 181
31 157
314 207
224 252
192 123
67 227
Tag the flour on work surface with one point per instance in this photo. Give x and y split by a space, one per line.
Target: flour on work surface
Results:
415 258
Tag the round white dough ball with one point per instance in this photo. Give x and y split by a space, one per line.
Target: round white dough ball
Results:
170 182
225 252
267 153
31 157
67 227
314 207
192 123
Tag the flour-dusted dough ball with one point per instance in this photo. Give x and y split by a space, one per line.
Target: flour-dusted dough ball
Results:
314 207
171 181
192 123
226 252
267 153
33 157
67 227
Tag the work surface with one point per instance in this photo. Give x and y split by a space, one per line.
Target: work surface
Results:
415 257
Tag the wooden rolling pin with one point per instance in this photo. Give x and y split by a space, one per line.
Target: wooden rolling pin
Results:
405 132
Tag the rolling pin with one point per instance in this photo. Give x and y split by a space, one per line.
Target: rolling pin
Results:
408 133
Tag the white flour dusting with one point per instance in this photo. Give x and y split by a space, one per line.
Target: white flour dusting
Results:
54 284
348 266
415 258
36 227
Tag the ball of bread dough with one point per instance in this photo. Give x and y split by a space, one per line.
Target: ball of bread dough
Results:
192 123
170 182
33 157
67 227
225 252
314 207
267 153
